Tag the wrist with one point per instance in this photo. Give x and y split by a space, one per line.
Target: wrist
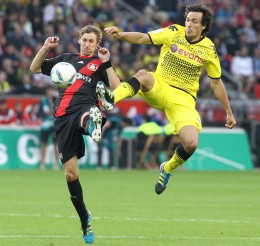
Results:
107 64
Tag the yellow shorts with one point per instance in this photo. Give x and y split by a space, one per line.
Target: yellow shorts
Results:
178 105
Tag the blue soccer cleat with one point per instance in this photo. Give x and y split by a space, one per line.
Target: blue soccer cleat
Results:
162 181
88 234
106 95
95 123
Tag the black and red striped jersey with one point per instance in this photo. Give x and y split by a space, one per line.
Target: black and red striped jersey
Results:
83 91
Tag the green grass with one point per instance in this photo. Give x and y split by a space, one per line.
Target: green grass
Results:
197 208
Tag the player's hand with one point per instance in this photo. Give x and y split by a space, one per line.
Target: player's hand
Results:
112 31
103 54
230 122
51 42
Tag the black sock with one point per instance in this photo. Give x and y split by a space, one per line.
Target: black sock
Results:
85 121
134 83
76 196
181 152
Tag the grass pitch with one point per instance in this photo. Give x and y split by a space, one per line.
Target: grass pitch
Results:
196 209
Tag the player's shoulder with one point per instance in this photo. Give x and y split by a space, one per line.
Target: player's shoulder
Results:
207 42
168 31
175 28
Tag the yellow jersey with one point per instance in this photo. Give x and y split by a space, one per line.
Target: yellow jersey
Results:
181 62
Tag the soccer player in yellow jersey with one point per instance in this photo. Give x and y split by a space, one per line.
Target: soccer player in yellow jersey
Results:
173 87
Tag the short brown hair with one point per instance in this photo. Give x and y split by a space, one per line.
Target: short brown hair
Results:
91 29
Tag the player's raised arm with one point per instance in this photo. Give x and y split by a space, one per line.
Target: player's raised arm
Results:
104 56
49 43
131 37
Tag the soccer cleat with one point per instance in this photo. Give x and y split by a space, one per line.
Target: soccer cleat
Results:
88 234
95 123
106 95
162 181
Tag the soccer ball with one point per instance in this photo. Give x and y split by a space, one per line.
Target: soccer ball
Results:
63 74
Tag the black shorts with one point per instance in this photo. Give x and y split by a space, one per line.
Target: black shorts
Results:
69 135
45 134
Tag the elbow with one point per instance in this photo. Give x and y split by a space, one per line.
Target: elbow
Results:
33 69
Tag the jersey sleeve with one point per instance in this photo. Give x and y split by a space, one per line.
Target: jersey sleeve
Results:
213 64
163 35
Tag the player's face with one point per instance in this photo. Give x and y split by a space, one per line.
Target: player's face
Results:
88 44
193 26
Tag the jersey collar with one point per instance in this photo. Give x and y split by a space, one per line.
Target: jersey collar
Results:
80 56
202 37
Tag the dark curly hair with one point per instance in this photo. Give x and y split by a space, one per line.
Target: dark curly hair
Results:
206 15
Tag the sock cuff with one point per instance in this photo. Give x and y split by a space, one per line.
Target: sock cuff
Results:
135 84
181 152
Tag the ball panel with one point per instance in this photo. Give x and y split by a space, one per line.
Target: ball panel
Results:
63 74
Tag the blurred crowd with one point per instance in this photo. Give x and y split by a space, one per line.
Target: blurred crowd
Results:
25 24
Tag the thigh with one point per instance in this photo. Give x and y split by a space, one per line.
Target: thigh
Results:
181 111
156 96
71 169
69 137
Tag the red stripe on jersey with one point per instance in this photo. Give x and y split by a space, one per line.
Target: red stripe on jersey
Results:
91 67
66 99
88 70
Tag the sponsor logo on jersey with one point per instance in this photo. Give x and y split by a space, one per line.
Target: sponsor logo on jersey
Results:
188 54
92 67
83 77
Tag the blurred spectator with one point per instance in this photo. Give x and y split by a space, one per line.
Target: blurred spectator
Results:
11 73
111 135
26 86
19 114
52 13
126 55
149 140
248 30
35 13
31 115
4 84
10 52
7 115
225 11
151 55
242 69
17 38
256 64
47 130
140 25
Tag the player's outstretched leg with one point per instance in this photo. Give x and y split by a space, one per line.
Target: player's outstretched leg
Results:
162 181
106 95
88 234
95 123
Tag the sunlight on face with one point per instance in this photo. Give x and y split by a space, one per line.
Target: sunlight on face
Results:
88 44
193 26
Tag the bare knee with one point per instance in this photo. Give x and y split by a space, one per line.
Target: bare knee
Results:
190 146
71 169
145 79
71 176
